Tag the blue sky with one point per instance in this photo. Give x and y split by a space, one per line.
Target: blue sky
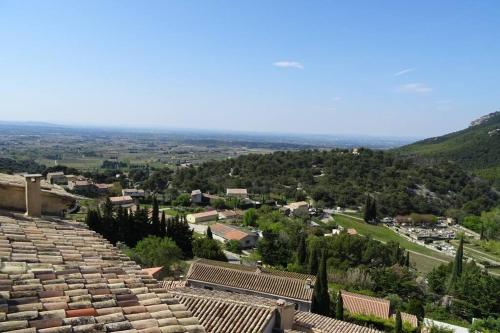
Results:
393 68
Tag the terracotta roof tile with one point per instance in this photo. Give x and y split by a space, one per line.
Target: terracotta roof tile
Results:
57 276
361 304
262 281
314 323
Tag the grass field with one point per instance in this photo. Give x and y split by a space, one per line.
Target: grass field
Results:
422 257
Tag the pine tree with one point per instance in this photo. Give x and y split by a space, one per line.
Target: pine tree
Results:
457 265
302 250
321 299
339 307
209 233
398 326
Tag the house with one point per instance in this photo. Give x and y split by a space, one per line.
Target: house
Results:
237 193
196 196
230 214
297 208
207 216
102 189
78 185
57 178
154 272
291 287
134 193
225 233
373 306
428 323
125 201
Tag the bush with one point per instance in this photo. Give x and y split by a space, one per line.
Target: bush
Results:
208 248
154 251
233 246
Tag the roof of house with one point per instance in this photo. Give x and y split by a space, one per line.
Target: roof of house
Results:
57 276
81 182
295 205
316 323
208 213
123 198
230 213
409 318
152 270
132 190
195 192
230 232
55 173
19 181
278 283
236 191
362 304
103 186
225 312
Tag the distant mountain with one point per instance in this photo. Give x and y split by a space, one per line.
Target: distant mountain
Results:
476 148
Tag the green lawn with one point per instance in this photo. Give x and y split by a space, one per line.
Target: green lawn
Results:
421 259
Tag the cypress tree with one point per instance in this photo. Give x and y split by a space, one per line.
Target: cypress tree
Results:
321 299
163 225
170 228
302 250
407 259
155 218
398 326
481 237
313 261
457 265
209 233
339 307
367 212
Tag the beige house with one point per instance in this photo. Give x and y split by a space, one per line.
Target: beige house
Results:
225 233
237 193
207 216
57 178
296 208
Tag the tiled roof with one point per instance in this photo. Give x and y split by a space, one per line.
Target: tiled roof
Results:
123 198
171 284
205 214
409 318
152 270
229 232
236 191
311 322
59 277
273 282
224 312
361 304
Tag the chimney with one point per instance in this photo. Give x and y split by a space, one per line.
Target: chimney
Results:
33 195
286 313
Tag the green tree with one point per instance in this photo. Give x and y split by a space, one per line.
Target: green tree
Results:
163 225
233 246
339 307
250 217
183 200
457 265
313 261
209 233
208 249
154 251
398 326
321 299
155 218
302 250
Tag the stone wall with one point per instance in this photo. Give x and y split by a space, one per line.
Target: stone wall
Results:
12 197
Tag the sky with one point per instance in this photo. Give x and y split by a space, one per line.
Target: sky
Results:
383 68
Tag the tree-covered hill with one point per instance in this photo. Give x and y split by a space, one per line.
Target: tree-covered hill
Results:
476 148
340 178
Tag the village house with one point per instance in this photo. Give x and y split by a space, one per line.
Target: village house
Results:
207 216
57 178
80 185
102 189
373 306
300 208
237 193
196 196
124 201
230 215
292 287
225 233
134 193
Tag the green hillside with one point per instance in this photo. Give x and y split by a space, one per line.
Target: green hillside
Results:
476 148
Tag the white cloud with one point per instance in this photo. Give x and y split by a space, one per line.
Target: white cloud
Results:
415 88
288 64
404 71
336 98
